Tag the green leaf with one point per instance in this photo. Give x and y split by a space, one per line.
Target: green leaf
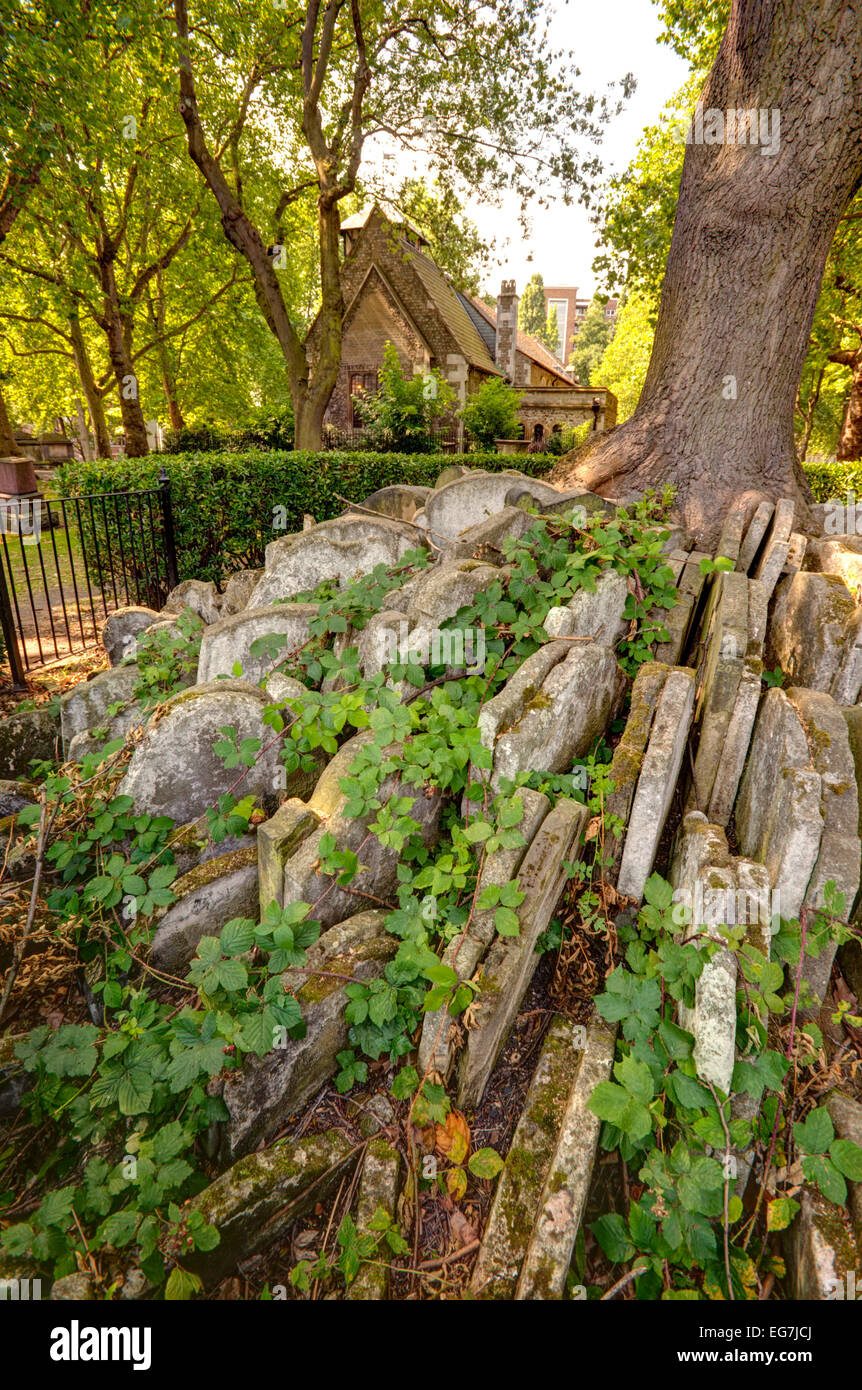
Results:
611 1233
610 1102
119 1229
231 974
405 1083
847 1158
616 1105
478 831
642 1225
822 1171
678 1042
636 1077
815 1133
181 1285
658 893
485 1163
506 921
237 937
135 1091
55 1208
162 875
780 1212
688 1092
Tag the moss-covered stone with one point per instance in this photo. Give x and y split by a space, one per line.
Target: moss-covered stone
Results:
266 1091
513 1212
378 1189
262 1194
212 869
32 734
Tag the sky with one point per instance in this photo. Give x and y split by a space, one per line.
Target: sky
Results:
609 39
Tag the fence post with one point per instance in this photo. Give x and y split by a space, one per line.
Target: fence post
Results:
10 636
168 523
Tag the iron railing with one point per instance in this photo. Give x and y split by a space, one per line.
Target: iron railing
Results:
67 563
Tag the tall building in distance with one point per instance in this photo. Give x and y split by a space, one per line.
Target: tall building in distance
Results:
571 311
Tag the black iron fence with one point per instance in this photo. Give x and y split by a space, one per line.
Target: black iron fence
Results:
67 563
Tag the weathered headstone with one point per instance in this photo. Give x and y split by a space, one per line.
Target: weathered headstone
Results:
657 780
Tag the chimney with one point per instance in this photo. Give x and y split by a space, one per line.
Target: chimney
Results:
507 329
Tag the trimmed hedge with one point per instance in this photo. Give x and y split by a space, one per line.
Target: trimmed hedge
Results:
831 481
224 504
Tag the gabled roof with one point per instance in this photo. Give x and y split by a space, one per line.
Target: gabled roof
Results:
434 284
448 303
375 274
526 343
357 220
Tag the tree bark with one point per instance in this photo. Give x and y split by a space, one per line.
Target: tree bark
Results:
850 439
117 332
8 447
95 404
750 240
169 385
85 439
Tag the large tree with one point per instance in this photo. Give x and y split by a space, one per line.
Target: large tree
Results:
48 52
532 314
750 241
473 86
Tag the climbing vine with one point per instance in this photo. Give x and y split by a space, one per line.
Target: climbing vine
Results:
134 1086
686 1234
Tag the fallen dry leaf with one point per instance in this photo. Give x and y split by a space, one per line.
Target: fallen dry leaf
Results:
456 1182
461 1230
453 1138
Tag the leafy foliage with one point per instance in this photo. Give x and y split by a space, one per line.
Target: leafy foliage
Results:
593 337
228 507
127 1102
687 1230
400 414
492 412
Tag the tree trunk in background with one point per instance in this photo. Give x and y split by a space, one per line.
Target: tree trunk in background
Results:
312 363
850 440
95 404
85 439
134 428
8 447
169 382
750 239
175 414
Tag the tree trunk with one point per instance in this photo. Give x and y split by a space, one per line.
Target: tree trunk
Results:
750 240
8 447
312 363
134 428
175 414
850 440
95 404
308 421
169 384
323 344
85 439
